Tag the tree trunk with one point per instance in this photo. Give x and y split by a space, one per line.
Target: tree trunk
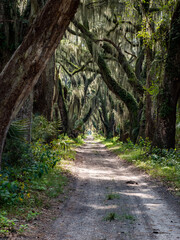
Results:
26 113
168 97
113 86
44 90
28 62
120 93
107 119
62 107
149 123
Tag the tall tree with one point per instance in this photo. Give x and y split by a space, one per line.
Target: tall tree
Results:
26 65
44 90
170 92
120 92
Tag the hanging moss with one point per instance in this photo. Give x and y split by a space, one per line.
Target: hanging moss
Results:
120 92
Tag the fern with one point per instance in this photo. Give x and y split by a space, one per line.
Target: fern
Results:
18 129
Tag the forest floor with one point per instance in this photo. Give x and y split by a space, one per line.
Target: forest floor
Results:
110 199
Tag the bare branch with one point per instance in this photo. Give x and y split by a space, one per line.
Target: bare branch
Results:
77 70
134 45
133 55
74 32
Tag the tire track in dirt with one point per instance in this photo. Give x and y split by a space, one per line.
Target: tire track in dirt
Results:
145 210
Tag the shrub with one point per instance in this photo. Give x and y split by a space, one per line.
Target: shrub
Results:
30 163
16 153
44 130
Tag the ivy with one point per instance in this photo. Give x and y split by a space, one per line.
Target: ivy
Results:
153 90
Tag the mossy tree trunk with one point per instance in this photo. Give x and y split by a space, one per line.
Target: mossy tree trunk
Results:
87 82
62 108
149 55
28 62
132 78
120 93
168 97
149 121
44 90
107 118
111 83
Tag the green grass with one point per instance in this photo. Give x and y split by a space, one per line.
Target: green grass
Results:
111 216
55 183
114 216
112 196
159 163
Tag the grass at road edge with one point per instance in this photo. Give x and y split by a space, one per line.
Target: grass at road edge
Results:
159 163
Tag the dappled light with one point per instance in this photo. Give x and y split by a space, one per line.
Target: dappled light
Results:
114 193
89 115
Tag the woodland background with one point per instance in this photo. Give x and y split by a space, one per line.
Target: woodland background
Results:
115 72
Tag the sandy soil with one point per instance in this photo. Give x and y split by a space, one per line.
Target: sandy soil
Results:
143 209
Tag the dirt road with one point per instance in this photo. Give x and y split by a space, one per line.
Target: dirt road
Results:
108 188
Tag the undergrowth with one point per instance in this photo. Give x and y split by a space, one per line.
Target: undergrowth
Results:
31 175
160 163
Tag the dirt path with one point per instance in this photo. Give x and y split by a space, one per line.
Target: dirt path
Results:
143 209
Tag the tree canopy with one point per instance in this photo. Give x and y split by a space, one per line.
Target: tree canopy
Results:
116 69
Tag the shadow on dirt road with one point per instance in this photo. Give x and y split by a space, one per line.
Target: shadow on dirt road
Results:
112 200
